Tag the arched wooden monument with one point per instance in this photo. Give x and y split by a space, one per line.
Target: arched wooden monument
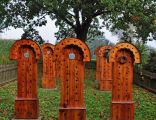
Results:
48 80
26 53
105 82
123 56
72 54
98 71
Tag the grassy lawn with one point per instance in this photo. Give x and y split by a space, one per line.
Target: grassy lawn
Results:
97 102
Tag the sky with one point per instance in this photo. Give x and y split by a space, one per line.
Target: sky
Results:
47 33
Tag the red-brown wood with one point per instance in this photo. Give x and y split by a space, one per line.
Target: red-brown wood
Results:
26 53
72 54
98 71
123 55
48 80
105 82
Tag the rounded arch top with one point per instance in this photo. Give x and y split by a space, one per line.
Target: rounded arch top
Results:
102 49
48 45
96 51
24 42
75 42
122 46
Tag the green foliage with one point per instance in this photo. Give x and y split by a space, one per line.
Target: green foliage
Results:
144 53
139 13
4 14
97 102
5 46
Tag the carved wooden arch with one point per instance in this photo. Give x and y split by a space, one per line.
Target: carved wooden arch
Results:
72 41
127 46
96 51
48 76
23 42
26 53
102 49
48 45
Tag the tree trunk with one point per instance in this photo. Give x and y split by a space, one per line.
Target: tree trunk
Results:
81 32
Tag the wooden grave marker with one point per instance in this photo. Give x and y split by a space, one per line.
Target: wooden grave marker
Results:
105 81
72 54
98 66
26 53
48 79
123 56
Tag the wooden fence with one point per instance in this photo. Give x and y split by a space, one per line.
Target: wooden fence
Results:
8 73
146 80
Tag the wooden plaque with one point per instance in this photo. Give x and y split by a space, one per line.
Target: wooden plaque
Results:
72 53
26 53
123 55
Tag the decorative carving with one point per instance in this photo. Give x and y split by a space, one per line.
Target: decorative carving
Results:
26 53
72 53
123 55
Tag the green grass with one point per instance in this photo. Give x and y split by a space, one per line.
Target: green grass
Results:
97 102
5 46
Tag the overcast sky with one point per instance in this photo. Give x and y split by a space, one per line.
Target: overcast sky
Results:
47 33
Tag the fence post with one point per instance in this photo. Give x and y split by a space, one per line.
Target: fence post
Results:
26 53
72 54
123 55
48 80
105 82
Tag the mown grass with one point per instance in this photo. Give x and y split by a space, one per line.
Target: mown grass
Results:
97 102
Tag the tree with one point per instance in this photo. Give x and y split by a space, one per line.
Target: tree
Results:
4 19
136 18
31 33
75 17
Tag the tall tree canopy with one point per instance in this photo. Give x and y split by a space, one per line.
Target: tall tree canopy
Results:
79 17
4 20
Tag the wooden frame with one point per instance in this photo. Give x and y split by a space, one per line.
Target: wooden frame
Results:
72 53
123 56
48 79
26 53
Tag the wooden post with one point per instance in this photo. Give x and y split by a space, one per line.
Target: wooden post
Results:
72 54
98 71
26 53
123 55
48 80
105 82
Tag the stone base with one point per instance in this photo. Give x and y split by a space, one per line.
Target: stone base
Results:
40 118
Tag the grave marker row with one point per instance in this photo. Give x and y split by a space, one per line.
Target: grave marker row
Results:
121 60
116 74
